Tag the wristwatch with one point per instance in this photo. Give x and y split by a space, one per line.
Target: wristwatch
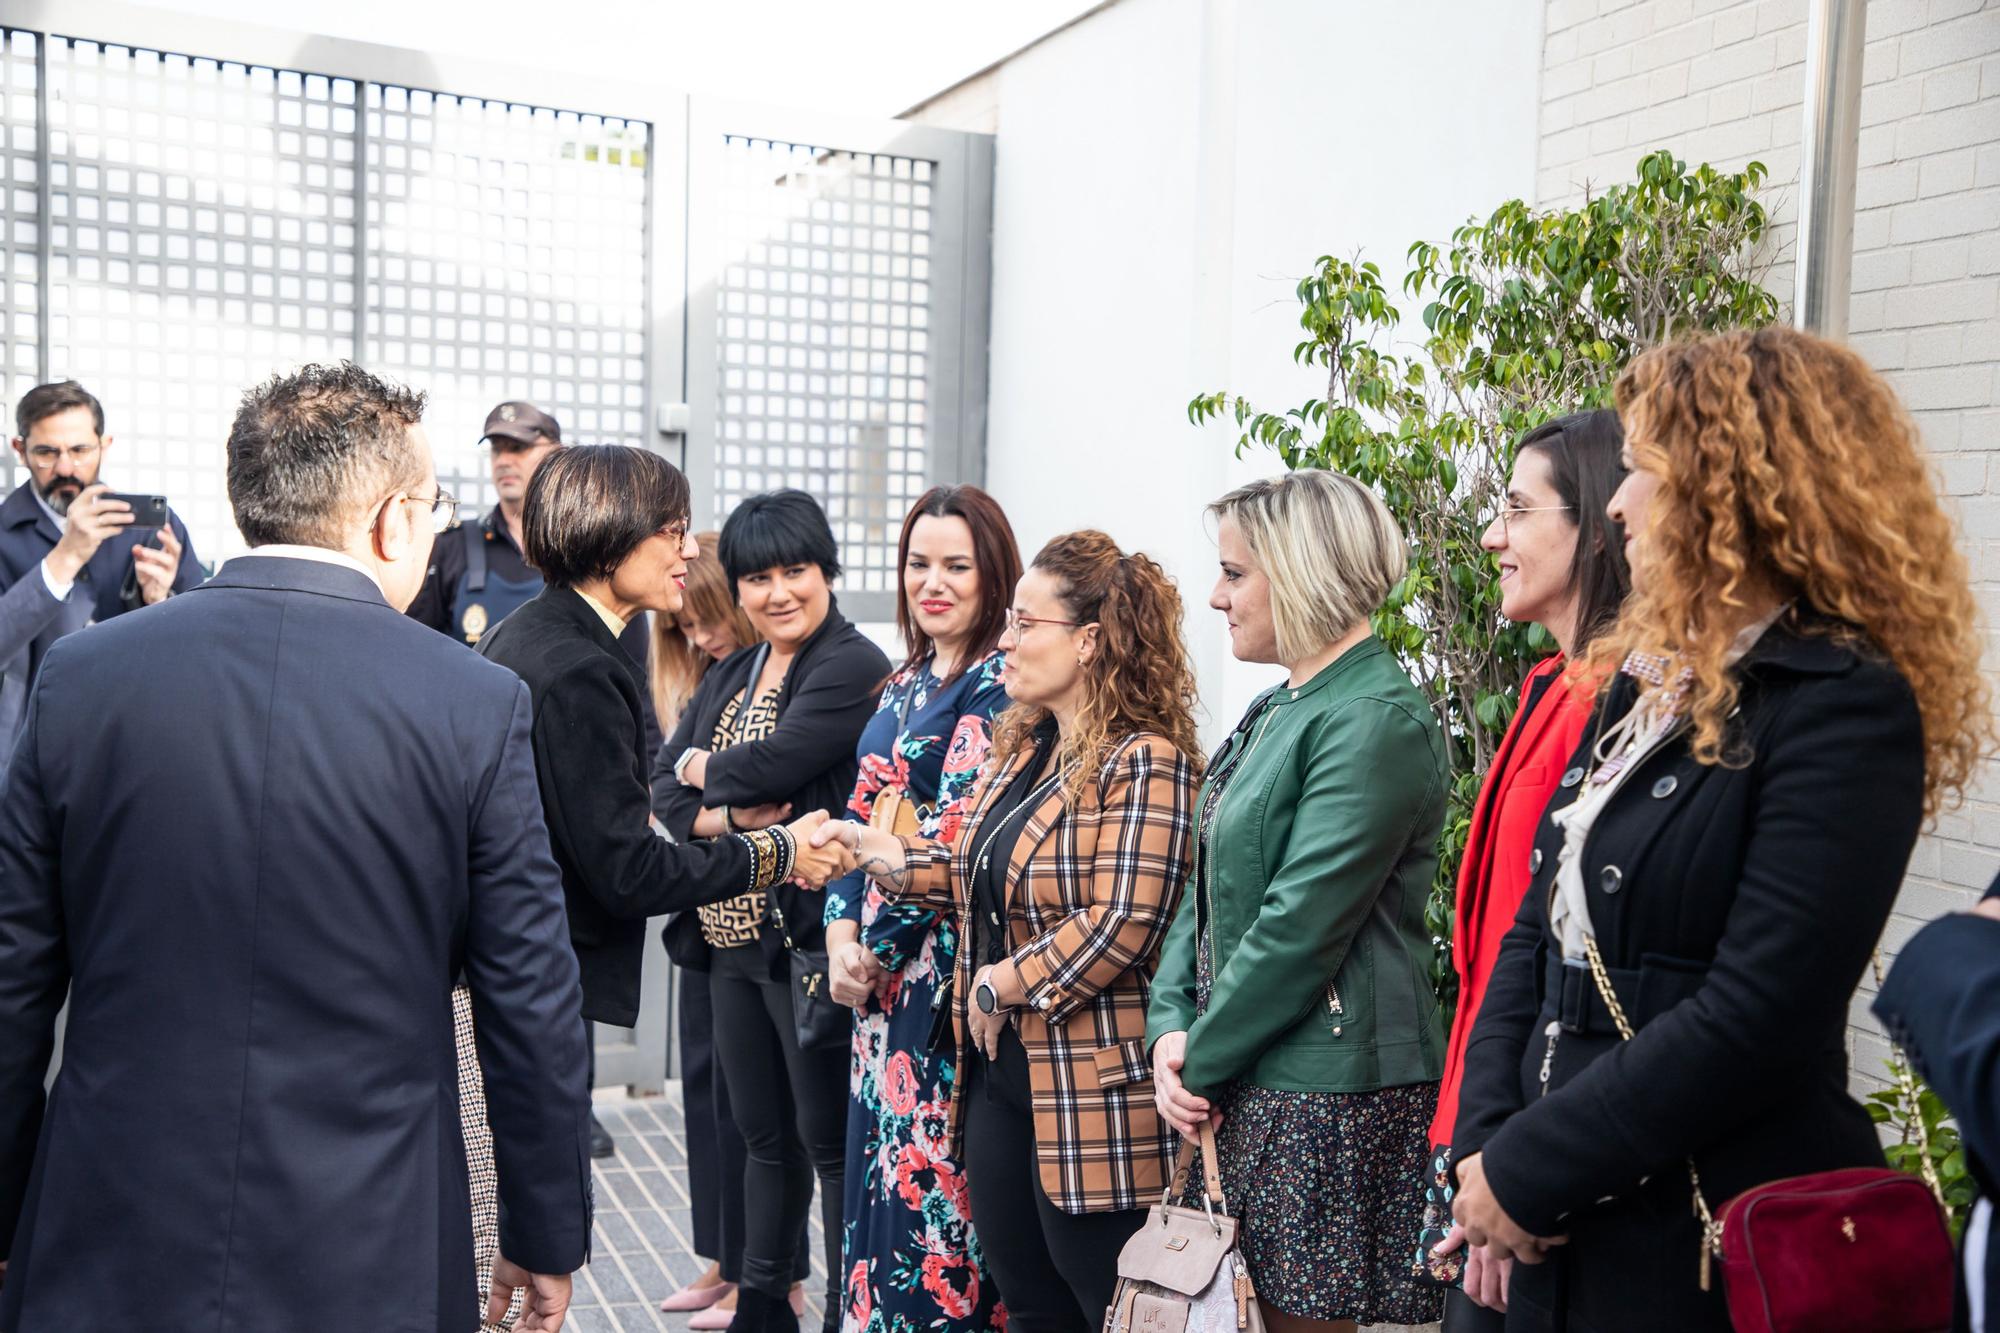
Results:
986 997
680 766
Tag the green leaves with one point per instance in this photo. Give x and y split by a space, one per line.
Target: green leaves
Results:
1526 315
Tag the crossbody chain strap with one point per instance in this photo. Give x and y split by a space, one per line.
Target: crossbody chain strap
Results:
1711 1226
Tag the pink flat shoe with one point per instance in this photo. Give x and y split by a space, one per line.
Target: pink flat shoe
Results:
712 1320
696 1298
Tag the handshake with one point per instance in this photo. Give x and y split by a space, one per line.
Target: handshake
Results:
817 859
828 848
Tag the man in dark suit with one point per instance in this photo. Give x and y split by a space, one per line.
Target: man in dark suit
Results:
256 866
1942 1002
69 554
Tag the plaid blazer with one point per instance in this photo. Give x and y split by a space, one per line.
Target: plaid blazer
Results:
1090 893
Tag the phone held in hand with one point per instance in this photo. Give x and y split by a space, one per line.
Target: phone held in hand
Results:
148 511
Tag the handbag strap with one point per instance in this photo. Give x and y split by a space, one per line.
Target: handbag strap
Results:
1711 1228
1211 1170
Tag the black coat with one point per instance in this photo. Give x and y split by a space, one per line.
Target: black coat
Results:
256 865
825 700
1736 907
590 761
1942 1002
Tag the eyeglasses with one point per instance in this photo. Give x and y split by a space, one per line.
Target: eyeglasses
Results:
677 533
1018 624
42 457
1508 513
443 507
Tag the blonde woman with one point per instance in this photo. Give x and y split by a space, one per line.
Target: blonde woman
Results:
1294 1002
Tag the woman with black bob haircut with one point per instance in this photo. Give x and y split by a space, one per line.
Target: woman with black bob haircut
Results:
607 528
773 729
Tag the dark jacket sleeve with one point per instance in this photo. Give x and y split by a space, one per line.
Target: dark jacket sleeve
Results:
637 640
1942 1002
26 609
598 811
526 994
434 601
1490 1091
34 964
821 725
674 805
1840 800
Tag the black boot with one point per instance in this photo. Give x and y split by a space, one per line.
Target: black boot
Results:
760 1312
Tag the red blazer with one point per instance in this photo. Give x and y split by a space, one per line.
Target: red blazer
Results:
1527 770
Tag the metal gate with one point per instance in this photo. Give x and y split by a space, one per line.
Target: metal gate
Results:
769 298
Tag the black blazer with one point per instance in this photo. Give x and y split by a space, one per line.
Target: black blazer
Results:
590 761
1736 907
1941 1001
824 702
256 866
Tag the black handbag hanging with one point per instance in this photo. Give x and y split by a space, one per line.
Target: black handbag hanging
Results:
818 1022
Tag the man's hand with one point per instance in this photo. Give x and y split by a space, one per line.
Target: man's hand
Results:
854 973
156 568
91 519
1177 1106
1486 1223
1486 1278
547 1297
816 861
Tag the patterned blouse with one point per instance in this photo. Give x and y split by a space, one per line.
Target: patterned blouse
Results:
735 922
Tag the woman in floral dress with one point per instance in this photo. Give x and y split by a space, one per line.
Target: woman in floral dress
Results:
911 1259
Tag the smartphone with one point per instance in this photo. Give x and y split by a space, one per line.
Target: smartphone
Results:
148 511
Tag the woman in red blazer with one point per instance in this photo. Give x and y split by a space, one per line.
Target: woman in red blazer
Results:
1562 566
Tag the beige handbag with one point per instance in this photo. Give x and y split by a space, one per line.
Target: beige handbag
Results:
893 813
1182 1272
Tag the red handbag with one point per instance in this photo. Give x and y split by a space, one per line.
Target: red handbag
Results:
1863 1250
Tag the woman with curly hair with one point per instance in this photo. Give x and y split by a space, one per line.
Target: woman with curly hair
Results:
1793 689
1062 879
1293 1011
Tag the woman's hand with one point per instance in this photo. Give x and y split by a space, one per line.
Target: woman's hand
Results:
854 973
750 818
1486 1277
986 1028
816 860
877 854
1486 1223
1177 1106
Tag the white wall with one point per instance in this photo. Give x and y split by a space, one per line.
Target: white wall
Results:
1166 171
1724 81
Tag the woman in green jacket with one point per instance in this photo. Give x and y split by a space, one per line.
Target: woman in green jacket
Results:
1293 1008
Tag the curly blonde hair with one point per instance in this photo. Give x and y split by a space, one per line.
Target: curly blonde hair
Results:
1139 680
1787 466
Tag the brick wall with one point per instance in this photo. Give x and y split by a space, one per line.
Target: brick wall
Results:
1723 81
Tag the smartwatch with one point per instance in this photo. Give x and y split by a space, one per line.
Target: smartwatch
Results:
986 997
681 764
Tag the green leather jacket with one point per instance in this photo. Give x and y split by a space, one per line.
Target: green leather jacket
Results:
1311 883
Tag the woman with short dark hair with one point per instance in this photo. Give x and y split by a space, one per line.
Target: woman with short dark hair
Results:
773 728
606 526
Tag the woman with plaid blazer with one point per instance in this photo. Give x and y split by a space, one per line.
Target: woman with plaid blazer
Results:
1063 879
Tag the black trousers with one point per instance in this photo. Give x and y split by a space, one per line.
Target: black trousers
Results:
715 1153
1057 1271
790 1105
1461 1315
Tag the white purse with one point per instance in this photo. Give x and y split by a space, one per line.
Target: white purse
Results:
1182 1271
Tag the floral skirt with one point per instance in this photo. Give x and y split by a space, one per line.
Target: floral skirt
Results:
1323 1185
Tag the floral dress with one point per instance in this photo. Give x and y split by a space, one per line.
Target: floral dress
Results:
911 1258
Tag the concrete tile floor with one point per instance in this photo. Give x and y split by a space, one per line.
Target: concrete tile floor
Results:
642 1247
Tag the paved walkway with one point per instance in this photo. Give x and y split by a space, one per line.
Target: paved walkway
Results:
642 1250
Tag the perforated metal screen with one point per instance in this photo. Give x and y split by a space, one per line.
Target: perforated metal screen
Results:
20 221
823 338
507 259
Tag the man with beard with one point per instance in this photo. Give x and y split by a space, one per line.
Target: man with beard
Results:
70 556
